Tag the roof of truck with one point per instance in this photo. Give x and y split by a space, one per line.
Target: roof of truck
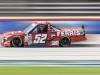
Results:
40 22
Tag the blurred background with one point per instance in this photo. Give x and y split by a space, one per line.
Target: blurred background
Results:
49 1
49 8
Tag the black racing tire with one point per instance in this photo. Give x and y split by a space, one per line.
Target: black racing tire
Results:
16 42
65 42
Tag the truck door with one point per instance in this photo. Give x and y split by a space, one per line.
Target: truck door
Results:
39 34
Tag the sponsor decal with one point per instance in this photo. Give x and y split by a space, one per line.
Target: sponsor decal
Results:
28 38
40 38
55 42
71 32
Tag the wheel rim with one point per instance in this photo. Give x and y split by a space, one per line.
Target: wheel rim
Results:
16 42
65 41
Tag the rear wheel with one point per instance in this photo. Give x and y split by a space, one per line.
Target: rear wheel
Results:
65 41
16 42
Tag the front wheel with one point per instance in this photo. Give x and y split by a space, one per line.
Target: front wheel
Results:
16 42
65 41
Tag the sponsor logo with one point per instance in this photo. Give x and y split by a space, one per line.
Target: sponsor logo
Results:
55 42
28 38
72 32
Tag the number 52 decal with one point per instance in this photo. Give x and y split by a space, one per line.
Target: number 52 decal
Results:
40 38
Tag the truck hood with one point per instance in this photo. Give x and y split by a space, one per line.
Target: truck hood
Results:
13 33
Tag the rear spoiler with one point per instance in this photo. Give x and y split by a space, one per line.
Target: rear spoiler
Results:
83 27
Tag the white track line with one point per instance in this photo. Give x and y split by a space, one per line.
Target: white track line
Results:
50 53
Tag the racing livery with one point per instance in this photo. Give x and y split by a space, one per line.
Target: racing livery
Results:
43 33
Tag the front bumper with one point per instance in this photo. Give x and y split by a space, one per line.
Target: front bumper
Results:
1 40
4 43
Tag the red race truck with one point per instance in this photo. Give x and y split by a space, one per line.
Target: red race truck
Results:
39 33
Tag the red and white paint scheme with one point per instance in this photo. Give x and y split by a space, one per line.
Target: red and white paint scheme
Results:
43 33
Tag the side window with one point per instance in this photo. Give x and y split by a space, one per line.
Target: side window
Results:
42 28
35 30
53 30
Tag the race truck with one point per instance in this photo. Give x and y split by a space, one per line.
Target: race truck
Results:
43 33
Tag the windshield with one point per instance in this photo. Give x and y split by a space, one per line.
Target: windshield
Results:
28 29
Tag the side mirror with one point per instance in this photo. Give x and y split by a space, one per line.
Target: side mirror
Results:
53 36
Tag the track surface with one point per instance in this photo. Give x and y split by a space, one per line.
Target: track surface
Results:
85 50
